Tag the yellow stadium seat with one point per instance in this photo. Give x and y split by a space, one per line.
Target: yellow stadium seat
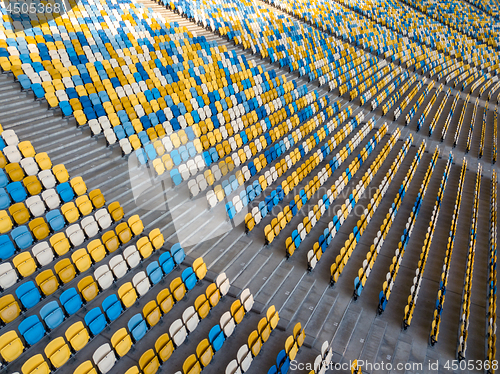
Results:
78 185
111 241
20 213
11 346
85 368
70 212
60 173
88 288
97 198
57 351
65 270
9 308
127 294
121 342
39 228
35 365
60 243
77 335
81 259
96 250
152 313
47 282
164 347
149 362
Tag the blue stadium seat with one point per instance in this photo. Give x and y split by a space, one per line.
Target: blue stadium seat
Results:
137 327
7 248
96 321
22 237
153 270
189 278
52 314
112 307
32 329
71 301
28 294
216 337
178 253
65 192
55 220
167 262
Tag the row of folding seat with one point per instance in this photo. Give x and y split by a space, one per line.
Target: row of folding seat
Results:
463 327
338 77
218 334
355 236
447 122
106 355
407 21
272 152
294 111
287 355
440 299
400 93
494 89
368 94
78 335
494 150
461 121
309 12
488 84
323 359
313 57
428 107
472 123
463 17
409 116
408 99
400 250
28 293
372 254
248 351
456 73
440 70
491 313
483 131
477 78
314 114
419 272
32 330
489 6
254 217
437 115
362 76
304 228
18 214
371 80
273 229
61 242
389 90
466 78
